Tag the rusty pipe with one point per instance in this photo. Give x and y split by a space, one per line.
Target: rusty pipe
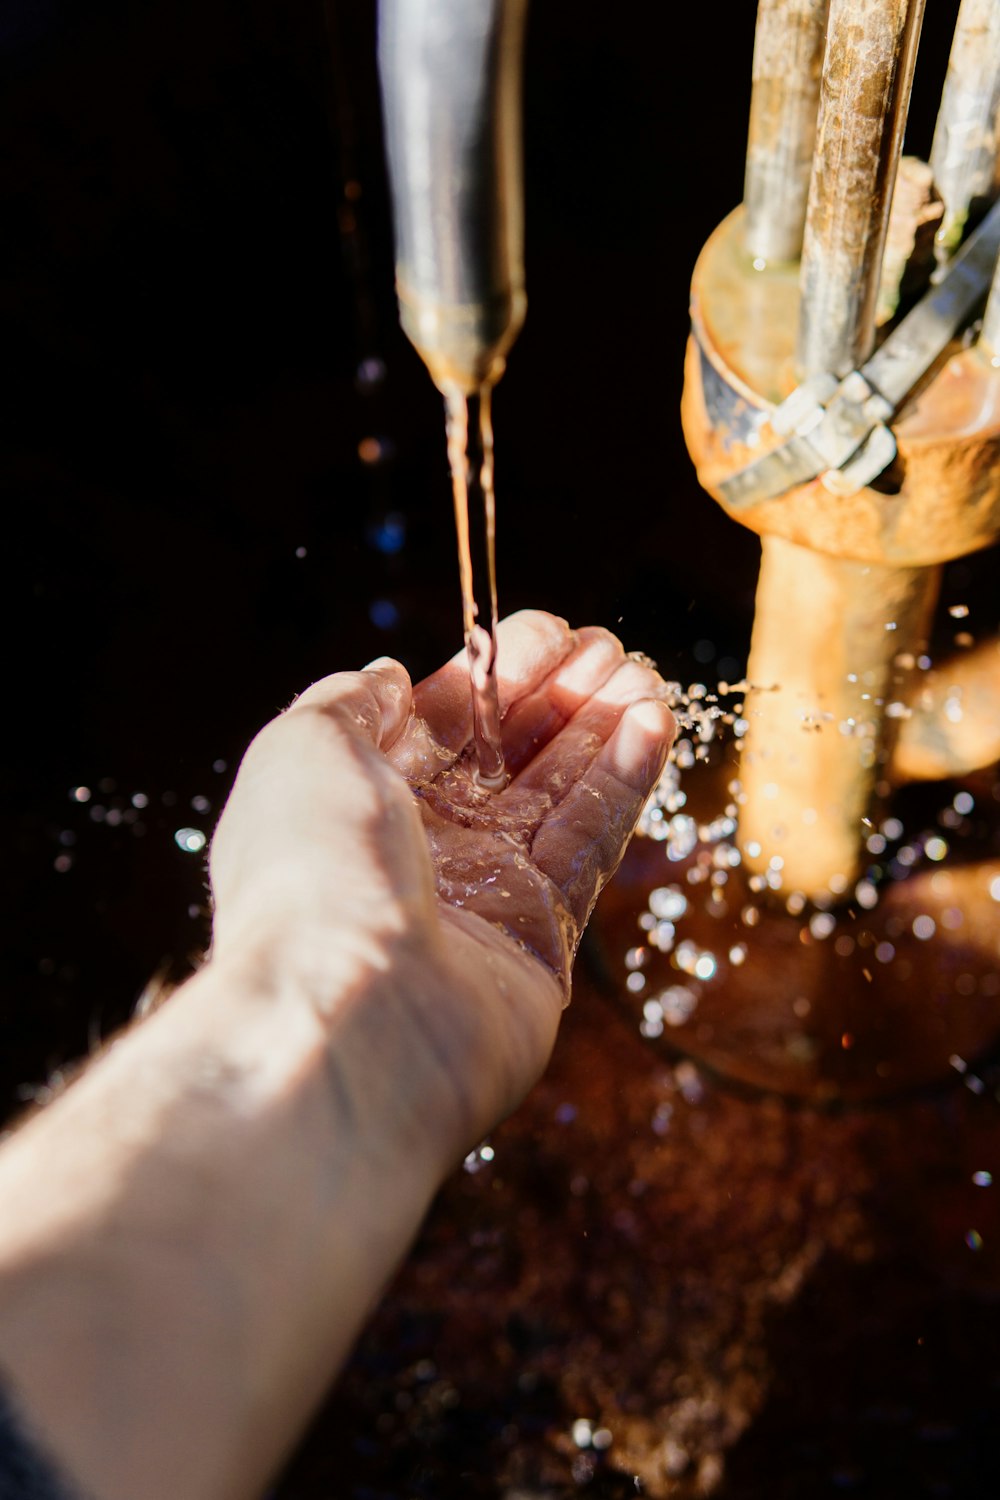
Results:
964 155
787 64
824 659
952 725
864 95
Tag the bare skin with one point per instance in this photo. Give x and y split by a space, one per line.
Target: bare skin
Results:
192 1236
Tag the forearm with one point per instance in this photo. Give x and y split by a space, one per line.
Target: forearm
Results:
193 1235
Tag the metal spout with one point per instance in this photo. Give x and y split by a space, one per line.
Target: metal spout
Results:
451 98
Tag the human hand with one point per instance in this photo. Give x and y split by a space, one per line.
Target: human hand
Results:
244 1170
356 835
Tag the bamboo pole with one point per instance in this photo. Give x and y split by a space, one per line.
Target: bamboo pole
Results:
989 334
964 156
865 91
787 65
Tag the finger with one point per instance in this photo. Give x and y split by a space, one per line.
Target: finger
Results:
530 644
373 703
580 844
540 714
560 763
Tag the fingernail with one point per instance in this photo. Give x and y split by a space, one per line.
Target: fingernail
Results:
655 715
379 663
652 716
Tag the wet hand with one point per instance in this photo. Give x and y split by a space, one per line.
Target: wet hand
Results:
357 832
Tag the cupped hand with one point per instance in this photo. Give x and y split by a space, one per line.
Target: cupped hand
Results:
357 830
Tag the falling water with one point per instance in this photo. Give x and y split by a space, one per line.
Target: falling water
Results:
477 567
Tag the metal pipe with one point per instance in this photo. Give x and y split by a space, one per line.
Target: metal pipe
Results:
824 659
964 156
787 64
451 96
953 723
867 76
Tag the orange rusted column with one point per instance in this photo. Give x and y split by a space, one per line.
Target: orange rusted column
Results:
847 582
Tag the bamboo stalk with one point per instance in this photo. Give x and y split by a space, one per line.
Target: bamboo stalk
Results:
989 334
864 96
787 65
964 156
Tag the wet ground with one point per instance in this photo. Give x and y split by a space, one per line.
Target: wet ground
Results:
226 476
650 1283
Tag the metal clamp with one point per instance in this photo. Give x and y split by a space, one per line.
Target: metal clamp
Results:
838 429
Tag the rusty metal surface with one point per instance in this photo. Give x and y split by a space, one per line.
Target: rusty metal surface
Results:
867 76
827 640
953 725
943 498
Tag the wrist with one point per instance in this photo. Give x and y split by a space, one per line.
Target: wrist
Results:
350 1012
238 1177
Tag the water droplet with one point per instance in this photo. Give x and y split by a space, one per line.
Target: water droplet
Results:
383 614
668 902
388 535
375 450
924 927
963 803
958 611
983 1179
80 794
370 374
191 840
866 894
974 1239
678 1004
